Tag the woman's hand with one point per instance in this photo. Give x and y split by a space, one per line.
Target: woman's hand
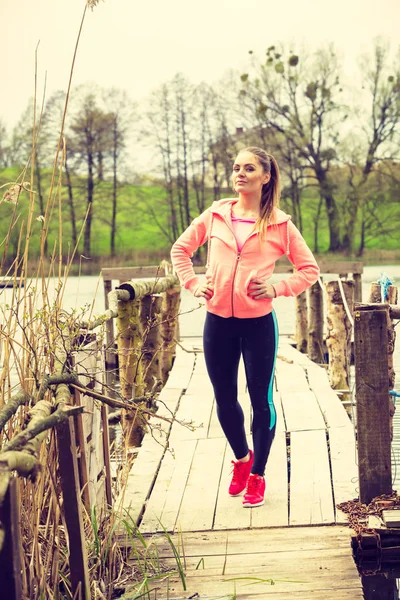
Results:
205 290
260 289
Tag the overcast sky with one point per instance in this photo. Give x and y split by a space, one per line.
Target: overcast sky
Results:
136 45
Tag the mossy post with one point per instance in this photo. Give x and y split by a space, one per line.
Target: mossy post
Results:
150 319
169 328
301 322
315 343
129 342
391 298
339 332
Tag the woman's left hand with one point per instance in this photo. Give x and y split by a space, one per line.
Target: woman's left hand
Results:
260 289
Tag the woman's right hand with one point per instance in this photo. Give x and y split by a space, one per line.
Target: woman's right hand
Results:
205 290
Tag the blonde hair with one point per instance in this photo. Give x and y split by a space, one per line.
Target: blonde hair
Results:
271 191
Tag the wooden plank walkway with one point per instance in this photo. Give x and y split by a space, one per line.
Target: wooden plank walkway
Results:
312 466
310 563
180 478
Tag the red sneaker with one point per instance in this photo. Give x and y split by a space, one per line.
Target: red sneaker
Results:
241 472
255 490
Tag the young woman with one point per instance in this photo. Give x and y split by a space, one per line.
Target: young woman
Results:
245 235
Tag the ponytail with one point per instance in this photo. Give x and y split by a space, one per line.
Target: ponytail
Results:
271 191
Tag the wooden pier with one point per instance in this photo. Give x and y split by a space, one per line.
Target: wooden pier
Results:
179 482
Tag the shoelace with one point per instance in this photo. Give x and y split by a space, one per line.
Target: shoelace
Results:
253 484
236 470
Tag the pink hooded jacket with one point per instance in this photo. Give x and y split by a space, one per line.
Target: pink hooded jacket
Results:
231 271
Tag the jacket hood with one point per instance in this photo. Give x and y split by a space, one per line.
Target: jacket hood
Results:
223 208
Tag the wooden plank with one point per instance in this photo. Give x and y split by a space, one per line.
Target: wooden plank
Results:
280 418
214 426
194 409
301 411
141 478
288 352
338 267
310 483
334 413
329 571
229 512
163 505
274 513
198 504
68 467
391 518
10 553
182 370
291 377
128 273
343 455
276 541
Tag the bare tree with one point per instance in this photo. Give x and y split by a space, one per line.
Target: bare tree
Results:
376 140
301 103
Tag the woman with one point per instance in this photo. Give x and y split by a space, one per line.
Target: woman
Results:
246 235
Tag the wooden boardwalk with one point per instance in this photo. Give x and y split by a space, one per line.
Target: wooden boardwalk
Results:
181 475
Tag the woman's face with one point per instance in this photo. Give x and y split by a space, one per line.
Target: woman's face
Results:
248 175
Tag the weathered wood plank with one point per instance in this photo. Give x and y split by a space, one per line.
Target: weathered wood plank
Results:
334 413
198 504
128 273
195 409
289 353
182 370
339 267
166 496
310 483
329 572
343 456
229 512
301 411
141 478
291 377
274 513
277 540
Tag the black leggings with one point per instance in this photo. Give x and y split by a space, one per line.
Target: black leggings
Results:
257 340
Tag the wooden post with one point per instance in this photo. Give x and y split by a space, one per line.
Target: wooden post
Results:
10 554
357 287
150 317
373 431
391 298
315 343
129 342
110 356
106 450
68 466
130 368
169 327
301 322
339 333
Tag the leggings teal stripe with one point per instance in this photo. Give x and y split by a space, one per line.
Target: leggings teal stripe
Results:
271 383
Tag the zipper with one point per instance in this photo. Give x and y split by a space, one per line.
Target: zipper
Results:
233 278
228 223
